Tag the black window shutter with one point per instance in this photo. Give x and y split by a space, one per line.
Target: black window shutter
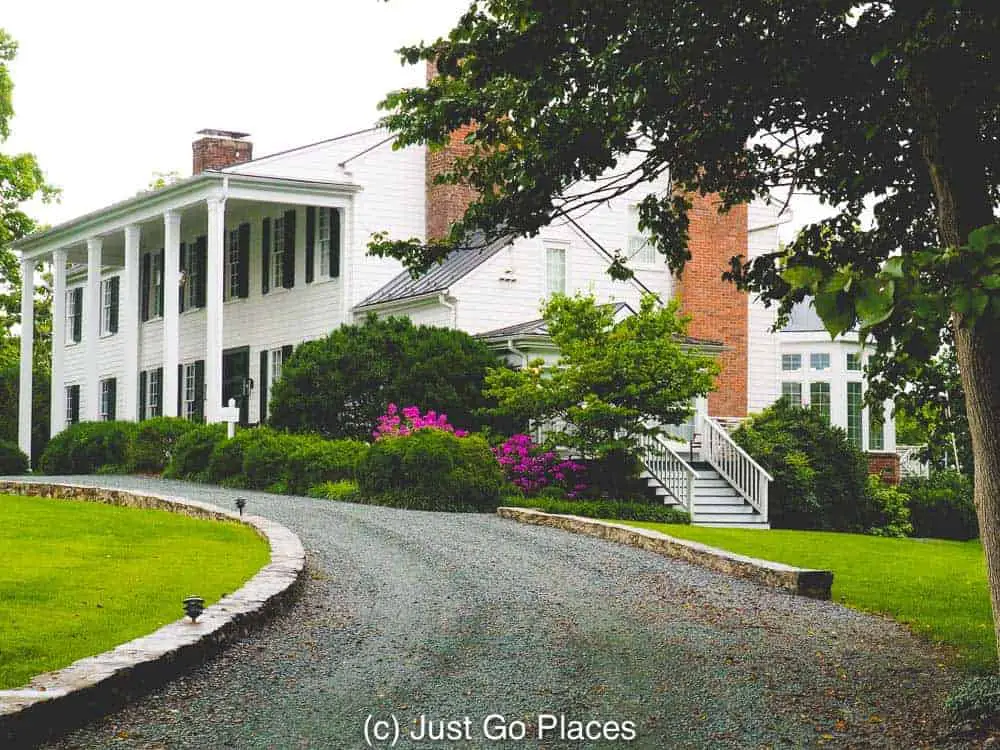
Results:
199 390
310 241
180 391
185 268
142 395
78 314
114 281
74 404
144 274
263 387
201 263
265 256
286 352
334 243
162 261
159 391
288 261
112 399
243 243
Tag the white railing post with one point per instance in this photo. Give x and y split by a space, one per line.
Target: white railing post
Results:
735 465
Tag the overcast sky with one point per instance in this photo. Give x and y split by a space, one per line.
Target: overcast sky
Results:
108 92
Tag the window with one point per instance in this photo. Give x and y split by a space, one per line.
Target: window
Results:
819 399
555 270
640 250
876 432
109 399
72 404
791 362
277 360
154 393
156 286
74 315
854 362
190 386
194 275
793 391
854 407
277 252
109 306
819 361
323 240
233 265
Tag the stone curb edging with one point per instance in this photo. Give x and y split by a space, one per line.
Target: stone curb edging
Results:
815 584
55 702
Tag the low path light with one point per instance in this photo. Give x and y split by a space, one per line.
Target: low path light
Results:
194 606
241 503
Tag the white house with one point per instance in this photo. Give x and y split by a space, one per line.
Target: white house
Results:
172 302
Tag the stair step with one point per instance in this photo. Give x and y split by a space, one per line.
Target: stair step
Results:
715 500
714 482
718 492
727 525
725 518
729 510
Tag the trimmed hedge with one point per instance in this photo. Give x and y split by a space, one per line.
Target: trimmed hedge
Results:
344 491
154 443
431 470
12 460
192 452
941 506
85 447
619 510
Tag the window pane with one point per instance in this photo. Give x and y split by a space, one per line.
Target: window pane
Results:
819 399
853 361
819 361
854 414
876 432
555 277
791 362
793 391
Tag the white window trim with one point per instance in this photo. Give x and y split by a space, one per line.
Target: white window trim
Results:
277 259
153 395
232 245
190 391
829 362
791 369
103 402
154 287
70 317
323 251
563 247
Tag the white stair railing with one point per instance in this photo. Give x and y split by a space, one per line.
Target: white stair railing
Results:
734 464
910 463
666 466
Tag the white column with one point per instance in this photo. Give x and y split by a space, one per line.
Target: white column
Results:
128 322
92 330
57 417
171 310
27 355
213 309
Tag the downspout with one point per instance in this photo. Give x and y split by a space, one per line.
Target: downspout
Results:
518 352
443 300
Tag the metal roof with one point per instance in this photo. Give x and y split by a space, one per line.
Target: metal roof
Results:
804 319
439 278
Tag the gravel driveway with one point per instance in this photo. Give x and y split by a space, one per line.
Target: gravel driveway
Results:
453 616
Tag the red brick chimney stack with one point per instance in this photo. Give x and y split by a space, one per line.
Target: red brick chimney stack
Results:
218 149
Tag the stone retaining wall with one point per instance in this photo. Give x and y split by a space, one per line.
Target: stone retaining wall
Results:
801 581
57 701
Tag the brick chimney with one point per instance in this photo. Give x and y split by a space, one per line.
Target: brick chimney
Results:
218 149
717 308
445 204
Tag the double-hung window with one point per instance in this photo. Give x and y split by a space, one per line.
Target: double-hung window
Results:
876 431
819 399
555 269
793 392
853 362
854 407
74 315
194 276
233 265
791 362
277 252
109 306
190 390
109 399
154 393
72 404
819 361
156 286
323 238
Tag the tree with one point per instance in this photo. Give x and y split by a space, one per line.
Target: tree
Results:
613 382
338 386
891 105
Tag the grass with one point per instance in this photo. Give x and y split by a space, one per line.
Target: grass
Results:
937 587
78 578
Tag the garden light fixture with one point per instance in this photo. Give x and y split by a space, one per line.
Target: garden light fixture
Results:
194 606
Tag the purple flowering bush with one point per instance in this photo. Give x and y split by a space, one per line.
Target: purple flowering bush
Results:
531 468
396 422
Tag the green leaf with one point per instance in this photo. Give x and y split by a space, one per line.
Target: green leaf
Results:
893 267
983 238
874 302
806 277
835 310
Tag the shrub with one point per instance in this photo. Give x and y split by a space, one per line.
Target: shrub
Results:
820 479
193 450
85 447
942 506
12 460
225 464
265 458
344 491
317 461
890 509
621 510
533 469
403 421
976 701
431 470
154 443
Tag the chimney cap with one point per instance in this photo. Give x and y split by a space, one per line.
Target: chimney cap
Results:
223 133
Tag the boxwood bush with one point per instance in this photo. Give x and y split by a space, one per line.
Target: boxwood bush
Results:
942 506
12 460
85 447
193 450
154 442
621 510
431 470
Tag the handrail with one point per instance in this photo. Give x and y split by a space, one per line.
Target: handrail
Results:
667 467
734 464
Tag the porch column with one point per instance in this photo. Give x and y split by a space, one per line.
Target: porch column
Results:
57 415
171 310
213 309
92 331
129 322
27 355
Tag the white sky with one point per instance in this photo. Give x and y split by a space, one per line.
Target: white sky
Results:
108 92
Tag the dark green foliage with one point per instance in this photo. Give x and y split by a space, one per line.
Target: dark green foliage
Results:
10 378
820 479
154 443
85 447
621 510
316 461
614 475
338 386
889 508
344 491
431 470
12 460
193 450
941 506
976 701
225 465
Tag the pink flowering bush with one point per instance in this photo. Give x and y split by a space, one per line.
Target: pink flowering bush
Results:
532 469
405 421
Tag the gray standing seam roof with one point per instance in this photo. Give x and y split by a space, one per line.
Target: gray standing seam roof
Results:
439 278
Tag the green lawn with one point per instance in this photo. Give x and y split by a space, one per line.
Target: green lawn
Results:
78 578
936 587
